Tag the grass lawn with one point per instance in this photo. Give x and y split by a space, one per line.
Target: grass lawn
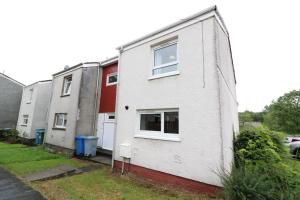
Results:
294 163
98 184
22 160
102 184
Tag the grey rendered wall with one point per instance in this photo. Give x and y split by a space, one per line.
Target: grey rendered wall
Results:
67 104
194 91
41 106
10 99
88 102
228 100
27 108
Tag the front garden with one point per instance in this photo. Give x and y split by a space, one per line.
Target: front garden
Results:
22 160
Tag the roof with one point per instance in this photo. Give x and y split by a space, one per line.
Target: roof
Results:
86 64
43 81
109 61
11 79
192 17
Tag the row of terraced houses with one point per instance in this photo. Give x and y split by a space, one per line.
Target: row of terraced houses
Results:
165 106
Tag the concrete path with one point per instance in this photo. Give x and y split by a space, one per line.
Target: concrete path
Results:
12 188
56 172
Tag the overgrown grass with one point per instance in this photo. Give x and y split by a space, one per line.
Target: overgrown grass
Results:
22 160
101 184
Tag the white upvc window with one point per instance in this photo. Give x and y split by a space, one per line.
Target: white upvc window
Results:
67 85
30 96
25 120
111 79
60 120
158 124
165 58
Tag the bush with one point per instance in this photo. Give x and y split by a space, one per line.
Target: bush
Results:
256 144
261 181
9 135
259 172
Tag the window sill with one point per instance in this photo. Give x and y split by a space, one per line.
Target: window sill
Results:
174 73
65 95
111 84
56 128
173 139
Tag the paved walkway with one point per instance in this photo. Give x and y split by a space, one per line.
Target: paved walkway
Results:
12 188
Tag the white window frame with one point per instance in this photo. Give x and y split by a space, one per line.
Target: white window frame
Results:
175 72
23 120
159 135
55 120
67 78
110 75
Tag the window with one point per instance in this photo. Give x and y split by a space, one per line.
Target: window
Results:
30 96
150 122
25 119
112 79
158 124
67 86
165 58
60 120
111 116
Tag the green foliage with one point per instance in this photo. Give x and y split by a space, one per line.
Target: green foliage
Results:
260 172
256 144
261 182
9 135
284 113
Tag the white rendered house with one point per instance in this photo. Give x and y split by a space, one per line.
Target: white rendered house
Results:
34 108
176 110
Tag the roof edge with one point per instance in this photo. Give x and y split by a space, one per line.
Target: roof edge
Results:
42 81
109 61
86 64
11 79
203 12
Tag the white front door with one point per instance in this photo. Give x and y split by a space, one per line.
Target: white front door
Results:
106 129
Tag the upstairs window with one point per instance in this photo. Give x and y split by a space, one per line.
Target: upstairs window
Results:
30 96
60 120
25 119
165 58
67 86
112 79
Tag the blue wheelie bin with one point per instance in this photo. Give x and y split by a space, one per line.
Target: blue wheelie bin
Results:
39 136
79 149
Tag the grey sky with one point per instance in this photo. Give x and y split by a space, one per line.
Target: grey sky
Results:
38 38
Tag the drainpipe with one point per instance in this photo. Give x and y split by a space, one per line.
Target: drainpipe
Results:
116 109
96 101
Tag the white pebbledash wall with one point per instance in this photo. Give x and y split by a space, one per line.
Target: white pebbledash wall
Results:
198 91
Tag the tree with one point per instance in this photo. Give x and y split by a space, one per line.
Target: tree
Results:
284 113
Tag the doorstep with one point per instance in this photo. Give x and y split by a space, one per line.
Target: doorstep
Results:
102 159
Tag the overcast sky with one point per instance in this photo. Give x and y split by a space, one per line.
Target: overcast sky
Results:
38 38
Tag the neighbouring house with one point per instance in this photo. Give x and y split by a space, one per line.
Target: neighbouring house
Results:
33 109
73 106
10 99
176 110
106 116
